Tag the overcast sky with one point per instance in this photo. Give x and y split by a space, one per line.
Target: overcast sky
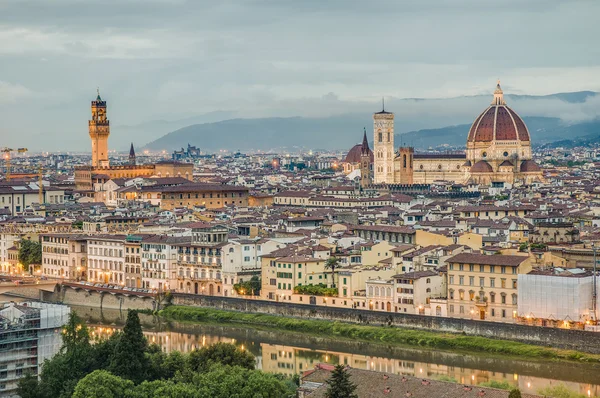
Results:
173 59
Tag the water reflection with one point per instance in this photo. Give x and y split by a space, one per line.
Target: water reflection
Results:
287 353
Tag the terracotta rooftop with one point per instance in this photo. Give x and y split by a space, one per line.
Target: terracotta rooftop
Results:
372 384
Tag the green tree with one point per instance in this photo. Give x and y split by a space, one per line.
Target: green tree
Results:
226 381
30 252
75 359
220 353
332 263
340 385
102 384
515 393
129 358
251 287
560 391
28 386
75 334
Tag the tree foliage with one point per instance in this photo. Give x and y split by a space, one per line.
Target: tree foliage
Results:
102 384
560 391
30 252
251 287
125 365
129 360
332 263
226 354
340 385
515 393
316 290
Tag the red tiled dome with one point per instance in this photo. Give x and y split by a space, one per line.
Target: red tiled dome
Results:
481 167
529 166
353 155
498 122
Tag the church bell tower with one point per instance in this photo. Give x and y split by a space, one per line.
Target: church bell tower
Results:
99 129
383 149
365 162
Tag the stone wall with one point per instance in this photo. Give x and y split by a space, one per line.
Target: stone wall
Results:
559 338
81 297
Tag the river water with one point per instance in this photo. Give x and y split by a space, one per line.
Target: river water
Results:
291 353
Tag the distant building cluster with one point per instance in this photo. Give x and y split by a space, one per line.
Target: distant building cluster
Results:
191 152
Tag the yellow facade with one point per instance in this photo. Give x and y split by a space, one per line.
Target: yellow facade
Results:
484 287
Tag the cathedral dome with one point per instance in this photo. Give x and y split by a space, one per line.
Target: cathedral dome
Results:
529 166
357 150
353 155
498 123
482 167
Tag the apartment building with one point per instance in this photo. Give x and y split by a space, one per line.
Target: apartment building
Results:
8 244
281 274
485 287
29 333
133 261
106 259
242 260
200 261
64 256
158 260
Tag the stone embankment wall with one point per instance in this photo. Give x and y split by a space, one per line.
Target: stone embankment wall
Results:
552 337
92 298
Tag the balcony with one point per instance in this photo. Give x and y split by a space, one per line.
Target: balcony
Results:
481 302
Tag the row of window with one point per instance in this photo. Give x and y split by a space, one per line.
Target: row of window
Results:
492 281
482 268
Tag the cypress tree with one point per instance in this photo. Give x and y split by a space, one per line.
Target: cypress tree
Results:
340 385
516 393
129 359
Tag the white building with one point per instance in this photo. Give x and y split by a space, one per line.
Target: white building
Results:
563 295
159 260
106 258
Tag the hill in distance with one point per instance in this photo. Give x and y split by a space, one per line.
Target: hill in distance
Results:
343 131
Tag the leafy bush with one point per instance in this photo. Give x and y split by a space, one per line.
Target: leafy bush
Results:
501 385
560 391
316 290
251 287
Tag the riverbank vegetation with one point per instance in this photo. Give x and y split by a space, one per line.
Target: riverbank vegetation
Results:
126 366
316 290
380 334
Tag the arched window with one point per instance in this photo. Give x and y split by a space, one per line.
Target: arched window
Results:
428 290
370 290
404 161
380 136
428 280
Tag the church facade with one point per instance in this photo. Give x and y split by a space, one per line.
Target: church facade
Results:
89 179
498 150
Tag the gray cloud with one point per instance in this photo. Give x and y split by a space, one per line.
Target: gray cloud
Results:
173 59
